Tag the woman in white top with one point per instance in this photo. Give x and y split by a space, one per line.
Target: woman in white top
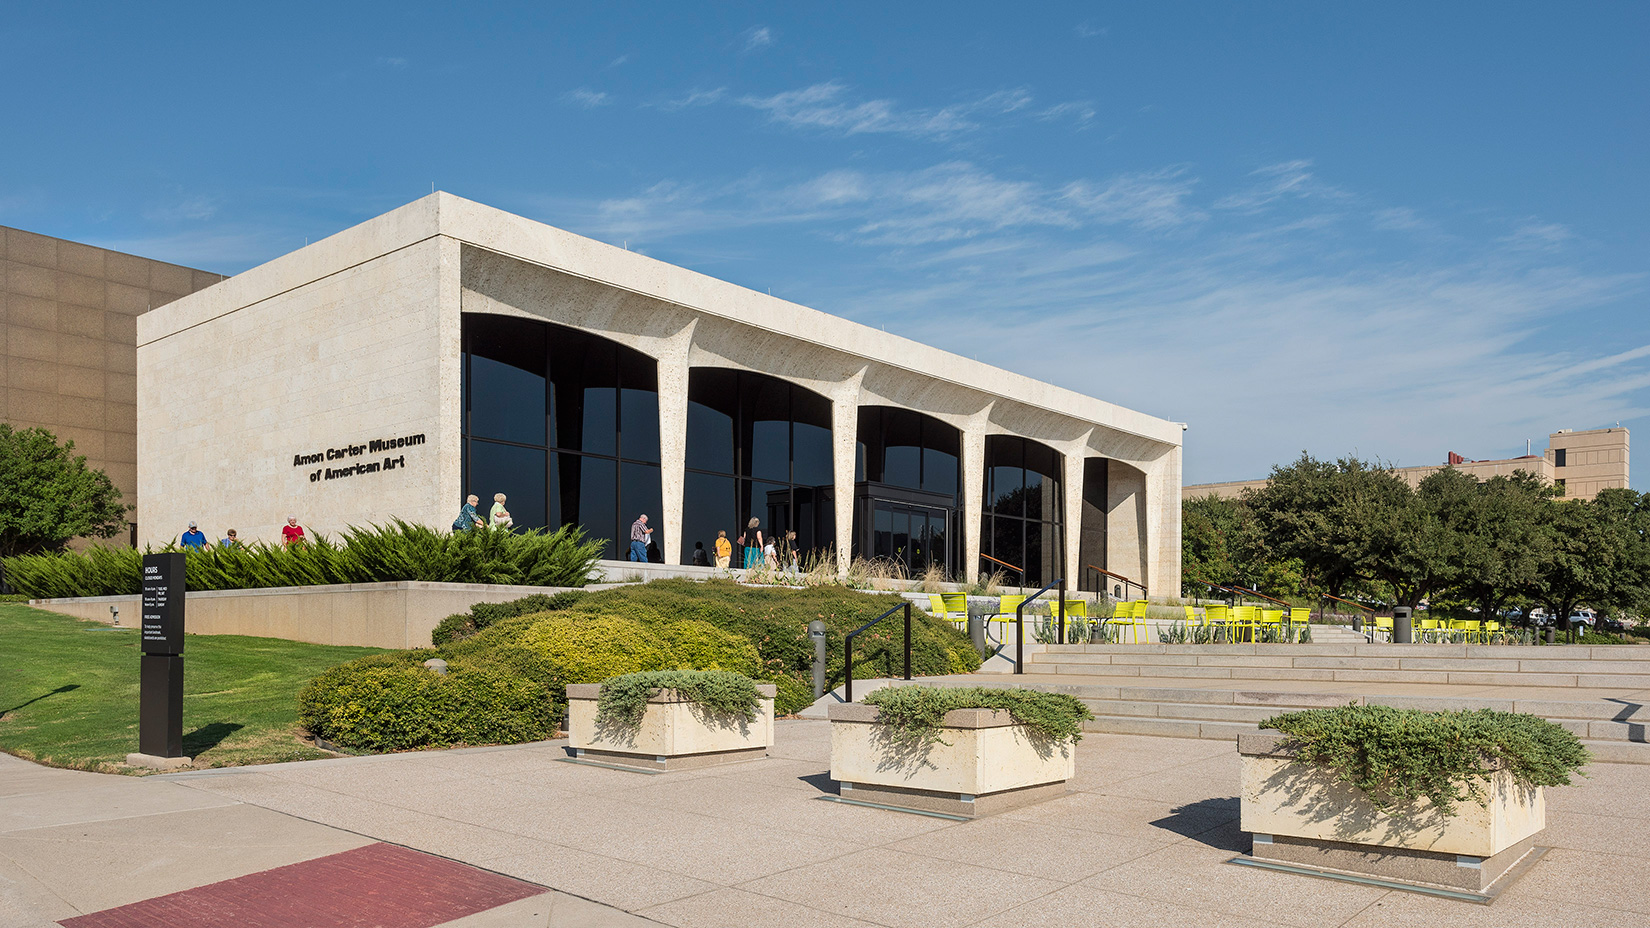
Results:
500 516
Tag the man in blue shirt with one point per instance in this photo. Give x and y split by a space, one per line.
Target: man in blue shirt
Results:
194 538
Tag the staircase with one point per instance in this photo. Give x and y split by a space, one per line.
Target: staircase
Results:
1220 691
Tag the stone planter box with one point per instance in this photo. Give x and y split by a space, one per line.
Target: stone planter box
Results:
675 734
988 764
1301 816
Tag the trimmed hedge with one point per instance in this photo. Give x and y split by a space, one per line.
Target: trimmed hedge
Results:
390 702
482 615
594 637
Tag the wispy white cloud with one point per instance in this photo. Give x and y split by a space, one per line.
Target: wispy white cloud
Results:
1079 111
397 64
1286 180
757 37
1150 200
586 98
191 208
622 59
1088 30
826 106
696 97
1539 236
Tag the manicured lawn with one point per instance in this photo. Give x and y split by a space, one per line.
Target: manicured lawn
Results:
69 692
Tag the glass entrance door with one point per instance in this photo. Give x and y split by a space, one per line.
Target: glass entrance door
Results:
911 535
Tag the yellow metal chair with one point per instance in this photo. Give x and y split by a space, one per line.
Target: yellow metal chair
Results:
1383 623
1272 618
1219 617
1130 615
1005 613
1299 615
956 608
1244 623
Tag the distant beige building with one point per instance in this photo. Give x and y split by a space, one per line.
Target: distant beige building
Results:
68 343
1582 463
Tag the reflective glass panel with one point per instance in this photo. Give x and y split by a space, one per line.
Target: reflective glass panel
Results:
639 418
767 427
516 472
708 506
506 382
713 402
589 494
639 492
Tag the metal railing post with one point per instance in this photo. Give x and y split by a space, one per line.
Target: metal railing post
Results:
1020 620
907 639
1062 638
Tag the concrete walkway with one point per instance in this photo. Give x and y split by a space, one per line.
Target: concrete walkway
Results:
1142 840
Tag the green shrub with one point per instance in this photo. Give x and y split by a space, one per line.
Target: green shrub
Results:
392 702
623 700
1600 638
399 551
793 695
482 615
1397 755
664 625
916 712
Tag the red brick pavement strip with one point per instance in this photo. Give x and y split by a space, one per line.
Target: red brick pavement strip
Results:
377 886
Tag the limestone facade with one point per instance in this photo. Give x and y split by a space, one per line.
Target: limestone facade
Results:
358 337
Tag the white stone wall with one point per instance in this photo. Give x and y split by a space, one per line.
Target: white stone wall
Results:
225 404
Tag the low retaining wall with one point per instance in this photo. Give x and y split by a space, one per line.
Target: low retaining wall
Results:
378 615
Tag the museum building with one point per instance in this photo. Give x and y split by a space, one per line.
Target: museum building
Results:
447 348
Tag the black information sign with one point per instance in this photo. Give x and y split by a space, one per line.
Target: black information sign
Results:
163 589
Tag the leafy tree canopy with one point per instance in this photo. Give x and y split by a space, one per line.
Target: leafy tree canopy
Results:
50 496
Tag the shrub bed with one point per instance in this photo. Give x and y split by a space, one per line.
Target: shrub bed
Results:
377 554
1397 755
623 700
915 712
660 626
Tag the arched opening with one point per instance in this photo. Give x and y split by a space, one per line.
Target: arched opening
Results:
757 446
1023 513
1092 547
565 423
907 486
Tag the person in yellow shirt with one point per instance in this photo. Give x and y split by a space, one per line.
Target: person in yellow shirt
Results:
724 550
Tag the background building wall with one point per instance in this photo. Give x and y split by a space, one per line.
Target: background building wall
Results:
68 349
355 355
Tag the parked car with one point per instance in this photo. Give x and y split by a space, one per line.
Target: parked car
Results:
1583 620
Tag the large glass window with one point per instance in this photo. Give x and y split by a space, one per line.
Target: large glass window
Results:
1095 505
760 447
908 467
1021 521
565 423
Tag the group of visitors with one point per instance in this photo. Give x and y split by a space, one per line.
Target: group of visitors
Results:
470 517
775 553
291 533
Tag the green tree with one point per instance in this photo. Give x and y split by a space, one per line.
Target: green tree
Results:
1583 557
50 496
1332 517
1501 545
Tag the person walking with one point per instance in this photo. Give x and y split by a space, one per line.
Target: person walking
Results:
724 550
770 556
788 555
500 517
292 533
194 538
752 542
700 558
230 541
638 538
469 517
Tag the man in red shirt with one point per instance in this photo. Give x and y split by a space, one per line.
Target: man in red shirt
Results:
292 532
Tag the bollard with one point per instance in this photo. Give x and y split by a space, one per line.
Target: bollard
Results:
816 631
976 631
1403 626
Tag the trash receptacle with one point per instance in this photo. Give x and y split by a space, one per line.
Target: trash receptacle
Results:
816 631
1403 625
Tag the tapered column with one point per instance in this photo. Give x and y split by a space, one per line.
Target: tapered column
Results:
844 436
1163 527
673 404
1071 515
973 461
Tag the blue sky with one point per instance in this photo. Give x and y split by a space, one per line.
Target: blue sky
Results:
1394 230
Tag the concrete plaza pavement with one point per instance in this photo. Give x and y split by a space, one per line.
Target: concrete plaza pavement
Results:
1142 839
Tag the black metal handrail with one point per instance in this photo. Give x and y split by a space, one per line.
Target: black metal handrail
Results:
1020 622
848 647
